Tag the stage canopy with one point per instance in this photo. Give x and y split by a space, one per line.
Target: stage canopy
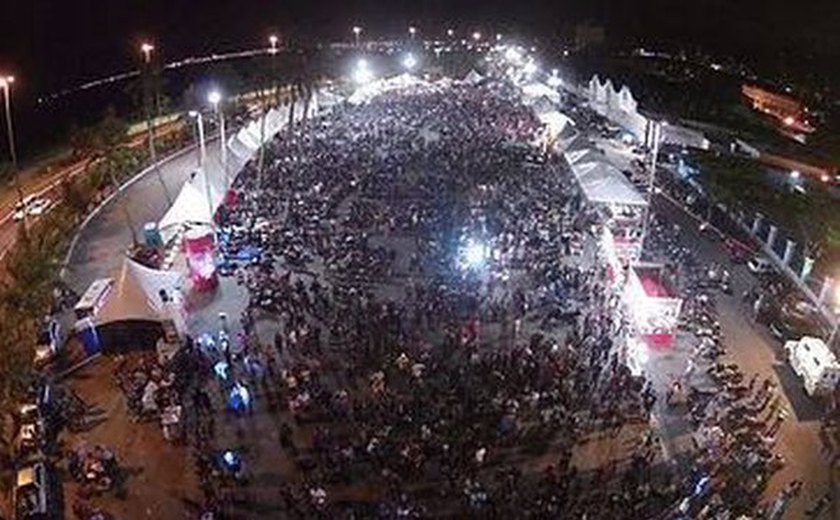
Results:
603 183
375 88
136 294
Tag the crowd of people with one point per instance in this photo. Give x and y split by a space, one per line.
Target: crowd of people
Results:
417 262
435 334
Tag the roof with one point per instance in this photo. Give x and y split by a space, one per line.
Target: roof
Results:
191 205
136 295
603 183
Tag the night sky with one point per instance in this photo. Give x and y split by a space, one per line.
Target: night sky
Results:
55 43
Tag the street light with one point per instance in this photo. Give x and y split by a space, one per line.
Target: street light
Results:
412 31
6 85
147 48
450 32
273 41
476 35
409 62
202 151
357 31
363 74
214 97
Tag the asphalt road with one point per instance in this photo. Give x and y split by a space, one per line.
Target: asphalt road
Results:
102 243
751 346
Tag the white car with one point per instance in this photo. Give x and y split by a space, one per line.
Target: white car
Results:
760 265
31 206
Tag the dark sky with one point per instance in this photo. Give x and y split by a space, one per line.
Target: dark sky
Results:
55 43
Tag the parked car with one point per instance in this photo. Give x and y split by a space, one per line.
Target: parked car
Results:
760 265
49 343
31 206
31 495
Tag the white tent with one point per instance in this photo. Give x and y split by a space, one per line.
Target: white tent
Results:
473 77
192 205
603 183
533 91
136 294
555 121
583 155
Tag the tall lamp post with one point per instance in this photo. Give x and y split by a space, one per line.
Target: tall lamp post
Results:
202 156
215 99
357 32
6 85
146 49
412 31
202 151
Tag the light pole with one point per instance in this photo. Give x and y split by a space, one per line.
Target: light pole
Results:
6 84
202 155
146 49
357 32
273 41
215 99
450 33
657 137
412 31
202 151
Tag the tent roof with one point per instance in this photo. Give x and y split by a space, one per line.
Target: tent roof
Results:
556 121
604 183
539 90
136 293
583 155
473 77
191 204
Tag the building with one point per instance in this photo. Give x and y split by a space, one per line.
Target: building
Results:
788 111
621 107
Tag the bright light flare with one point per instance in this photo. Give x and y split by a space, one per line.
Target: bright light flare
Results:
214 97
409 62
795 174
513 54
530 68
474 255
789 120
362 74
476 35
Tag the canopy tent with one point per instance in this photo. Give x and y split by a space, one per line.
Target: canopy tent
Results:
603 183
536 90
555 122
136 295
583 155
195 204
473 77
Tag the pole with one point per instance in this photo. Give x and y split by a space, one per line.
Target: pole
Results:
657 131
147 102
202 151
6 83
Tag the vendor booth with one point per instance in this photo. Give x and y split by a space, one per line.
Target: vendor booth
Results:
200 251
815 364
140 307
653 304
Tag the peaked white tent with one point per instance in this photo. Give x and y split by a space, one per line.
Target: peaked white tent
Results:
473 77
536 90
603 183
194 202
555 121
136 294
